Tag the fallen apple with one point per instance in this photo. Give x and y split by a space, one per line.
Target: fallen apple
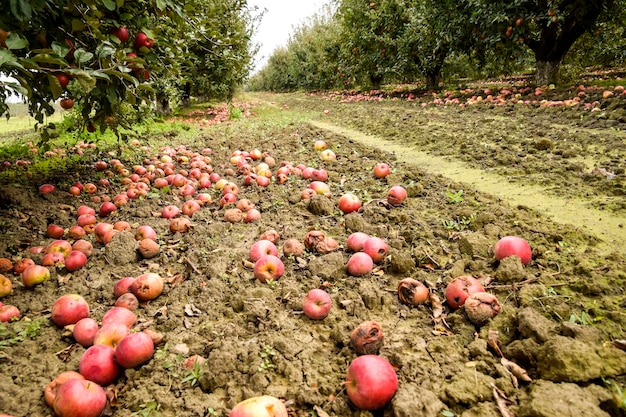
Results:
513 246
376 248
98 365
371 382
84 331
316 304
263 406
50 392
35 275
147 286
268 268
460 288
134 350
79 397
260 248
359 264
69 309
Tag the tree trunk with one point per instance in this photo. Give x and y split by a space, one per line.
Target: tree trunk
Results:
376 80
432 80
547 72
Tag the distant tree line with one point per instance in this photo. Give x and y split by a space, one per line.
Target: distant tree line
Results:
363 44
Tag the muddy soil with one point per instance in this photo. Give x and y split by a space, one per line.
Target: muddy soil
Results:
562 316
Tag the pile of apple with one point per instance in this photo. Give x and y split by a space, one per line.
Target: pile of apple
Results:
110 347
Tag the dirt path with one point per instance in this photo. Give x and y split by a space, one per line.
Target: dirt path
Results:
604 225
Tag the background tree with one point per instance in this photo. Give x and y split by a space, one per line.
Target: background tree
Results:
548 28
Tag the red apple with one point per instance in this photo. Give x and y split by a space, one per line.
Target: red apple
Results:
190 207
21 265
66 103
110 334
75 261
160 182
381 170
46 188
84 331
360 264
356 241
319 175
260 248
121 33
98 365
134 349
460 288
53 259
128 301
8 313
371 382
84 246
145 232
513 246
68 309
170 211
79 397
252 215
141 40
349 203
268 268
263 406
316 304
50 392
107 208
147 286
55 231
122 286
101 230
376 248
396 195
34 275
120 315
320 187
76 232
85 210
86 219
64 80
122 226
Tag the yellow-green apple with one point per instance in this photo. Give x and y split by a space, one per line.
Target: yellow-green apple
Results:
328 155
6 286
62 246
35 275
320 145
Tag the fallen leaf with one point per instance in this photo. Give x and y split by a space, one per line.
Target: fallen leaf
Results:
516 370
191 310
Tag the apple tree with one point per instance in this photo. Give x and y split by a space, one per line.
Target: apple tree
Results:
369 38
547 28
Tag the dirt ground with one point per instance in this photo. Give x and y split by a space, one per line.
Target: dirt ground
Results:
562 317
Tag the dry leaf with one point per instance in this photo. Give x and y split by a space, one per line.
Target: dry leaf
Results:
63 279
620 344
175 279
502 402
516 370
436 304
492 340
191 310
247 264
320 412
66 354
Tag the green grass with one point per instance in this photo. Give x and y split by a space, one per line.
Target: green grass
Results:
20 120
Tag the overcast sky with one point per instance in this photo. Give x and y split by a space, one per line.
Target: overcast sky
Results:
278 23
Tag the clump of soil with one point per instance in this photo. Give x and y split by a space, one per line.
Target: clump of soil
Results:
558 315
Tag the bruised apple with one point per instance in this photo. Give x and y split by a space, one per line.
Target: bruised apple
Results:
367 338
376 248
460 288
147 286
371 382
396 195
263 406
98 364
50 392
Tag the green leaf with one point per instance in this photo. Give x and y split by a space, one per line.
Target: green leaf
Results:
55 86
15 41
447 413
60 49
121 74
7 56
109 4
78 25
82 56
104 51
21 10
49 59
86 81
161 4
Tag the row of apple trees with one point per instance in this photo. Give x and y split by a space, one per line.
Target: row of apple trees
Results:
363 43
108 57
